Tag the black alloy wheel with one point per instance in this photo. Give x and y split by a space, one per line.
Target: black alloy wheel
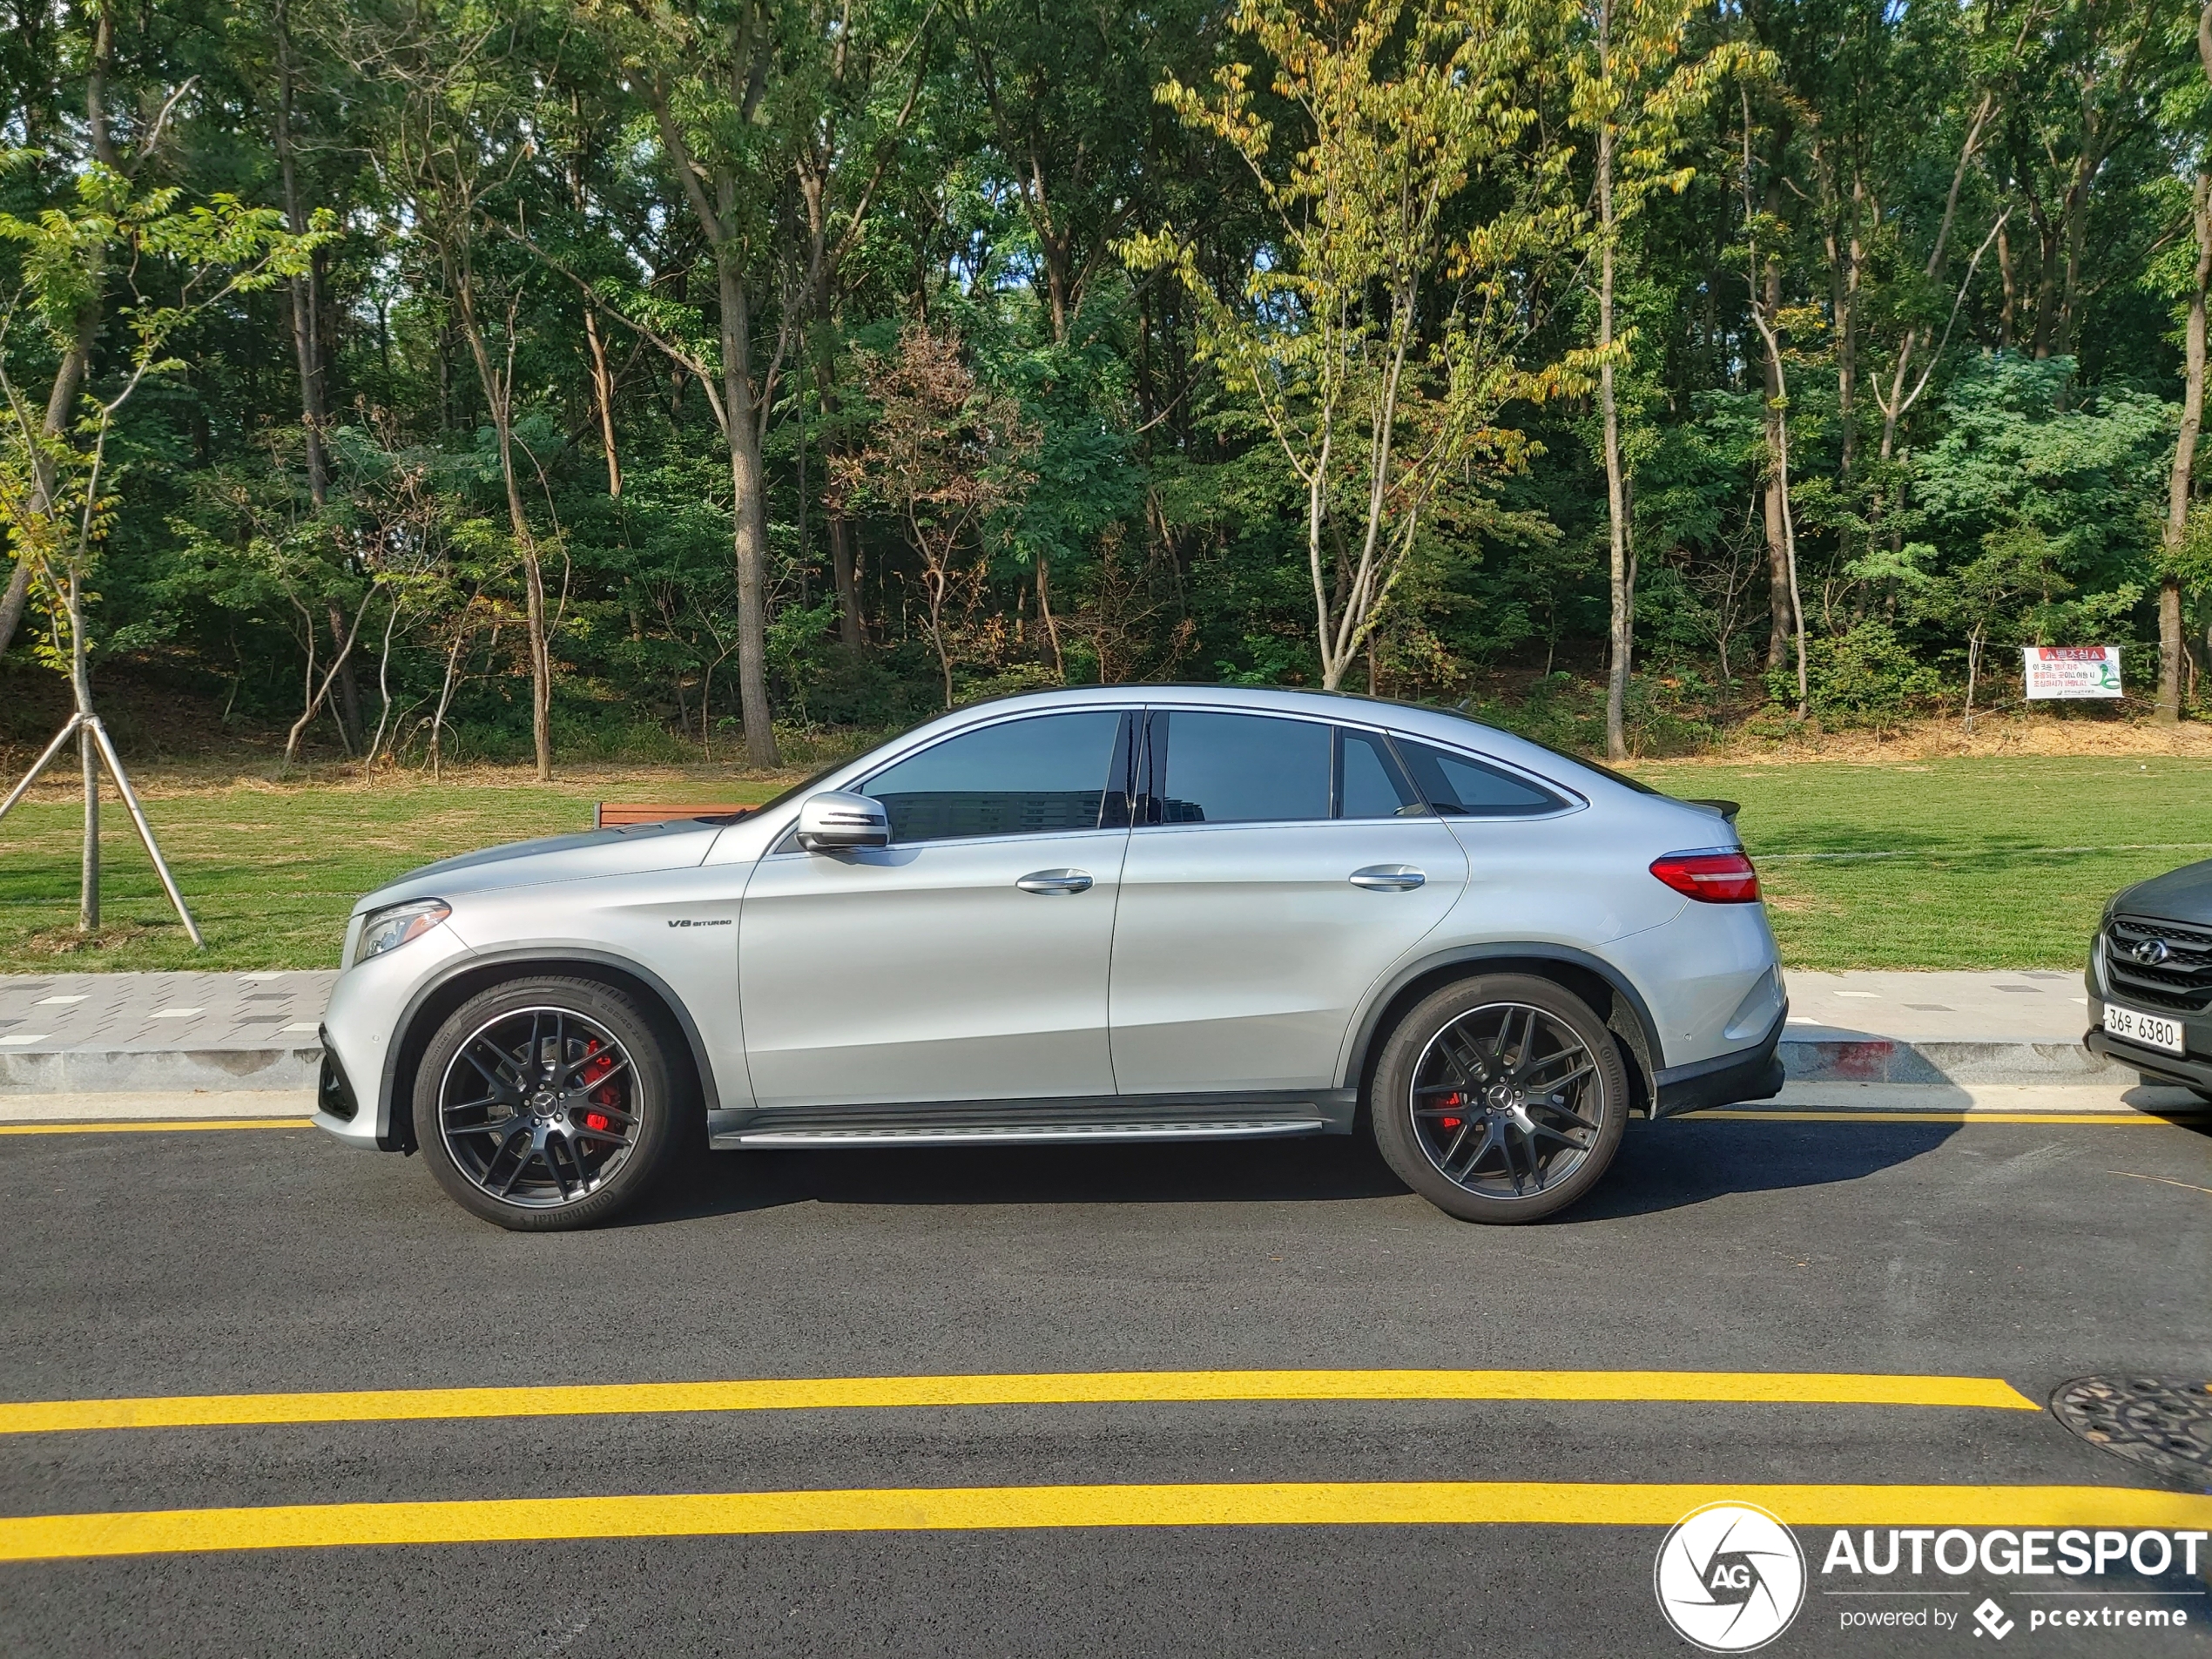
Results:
545 1104
1501 1099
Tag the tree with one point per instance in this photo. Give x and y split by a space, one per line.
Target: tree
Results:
944 456
56 494
1631 90
1378 392
2171 651
706 74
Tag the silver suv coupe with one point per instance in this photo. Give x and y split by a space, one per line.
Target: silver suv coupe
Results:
1119 913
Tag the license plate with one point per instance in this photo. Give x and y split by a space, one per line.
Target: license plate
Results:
2152 1030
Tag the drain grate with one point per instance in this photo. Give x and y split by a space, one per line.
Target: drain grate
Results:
2151 1421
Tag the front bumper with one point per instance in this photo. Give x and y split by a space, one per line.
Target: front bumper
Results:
367 1008
1747 1074
2185 1069
2191 1071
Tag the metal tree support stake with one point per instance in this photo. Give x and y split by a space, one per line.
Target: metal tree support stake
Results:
90 724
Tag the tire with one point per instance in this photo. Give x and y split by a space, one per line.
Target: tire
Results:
548 1104
1531 1141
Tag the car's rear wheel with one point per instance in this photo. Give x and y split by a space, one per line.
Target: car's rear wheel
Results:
544 1104
1499 1099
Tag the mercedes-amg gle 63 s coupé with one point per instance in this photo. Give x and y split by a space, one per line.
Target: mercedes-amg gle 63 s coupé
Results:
1117 913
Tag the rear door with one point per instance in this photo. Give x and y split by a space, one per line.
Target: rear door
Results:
1280 867
967 960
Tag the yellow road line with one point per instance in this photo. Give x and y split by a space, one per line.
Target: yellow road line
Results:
1052 1388
154 1124
1876 1115
980 1508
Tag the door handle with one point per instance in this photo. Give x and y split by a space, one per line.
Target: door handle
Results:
1056 881
1388 878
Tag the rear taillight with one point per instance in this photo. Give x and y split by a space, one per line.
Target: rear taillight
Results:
1711 877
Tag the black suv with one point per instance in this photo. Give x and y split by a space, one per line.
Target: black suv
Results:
2150 978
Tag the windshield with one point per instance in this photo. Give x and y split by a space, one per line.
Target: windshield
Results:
803 785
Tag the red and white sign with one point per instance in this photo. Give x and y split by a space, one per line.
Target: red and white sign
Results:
2072 671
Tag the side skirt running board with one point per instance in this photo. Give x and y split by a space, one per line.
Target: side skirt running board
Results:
1023 1134
1015 1123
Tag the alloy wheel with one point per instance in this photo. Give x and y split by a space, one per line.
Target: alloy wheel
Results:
1507 1100
540 1107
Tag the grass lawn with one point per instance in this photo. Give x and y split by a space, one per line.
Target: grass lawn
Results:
1984 880
270 870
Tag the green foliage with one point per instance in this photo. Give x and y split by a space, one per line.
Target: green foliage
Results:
1865 676
1180 247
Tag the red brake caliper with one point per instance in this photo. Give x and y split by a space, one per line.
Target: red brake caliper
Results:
595 1066
1450 1122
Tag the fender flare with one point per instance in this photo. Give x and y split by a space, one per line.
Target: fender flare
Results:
1365 1031
549 958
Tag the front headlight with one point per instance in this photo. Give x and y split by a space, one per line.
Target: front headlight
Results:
392 927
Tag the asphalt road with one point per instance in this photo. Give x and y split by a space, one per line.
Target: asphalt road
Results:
268 1260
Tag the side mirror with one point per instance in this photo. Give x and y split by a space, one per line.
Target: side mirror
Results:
839 822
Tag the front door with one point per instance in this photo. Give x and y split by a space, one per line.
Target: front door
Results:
967 960
1284 865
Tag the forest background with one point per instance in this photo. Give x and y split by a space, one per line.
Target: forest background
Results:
585 379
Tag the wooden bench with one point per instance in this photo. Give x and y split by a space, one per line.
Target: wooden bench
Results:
613 815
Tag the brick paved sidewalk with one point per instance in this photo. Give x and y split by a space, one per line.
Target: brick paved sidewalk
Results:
152 1031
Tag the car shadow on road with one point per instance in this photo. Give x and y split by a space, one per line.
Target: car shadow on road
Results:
1667 1166
1318 1170
1683 1161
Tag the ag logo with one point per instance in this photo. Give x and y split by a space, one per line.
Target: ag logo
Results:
1730 1577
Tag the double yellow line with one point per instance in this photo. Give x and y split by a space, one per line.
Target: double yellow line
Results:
975 1508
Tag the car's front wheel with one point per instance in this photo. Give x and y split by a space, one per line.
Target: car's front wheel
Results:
548 1103
1499 1099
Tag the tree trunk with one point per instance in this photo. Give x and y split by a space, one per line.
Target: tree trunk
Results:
306 303
2011 286
603 381
1621 634
1777 509
2171 651
1044 612
750 536
498 394
602 394
80 685
741 429
843 570
349 694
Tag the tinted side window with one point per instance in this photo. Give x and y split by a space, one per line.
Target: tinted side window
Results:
1021 778
1240 769
1368 785
1453 783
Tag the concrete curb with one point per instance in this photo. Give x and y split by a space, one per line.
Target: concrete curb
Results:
108 1071
1892 1060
